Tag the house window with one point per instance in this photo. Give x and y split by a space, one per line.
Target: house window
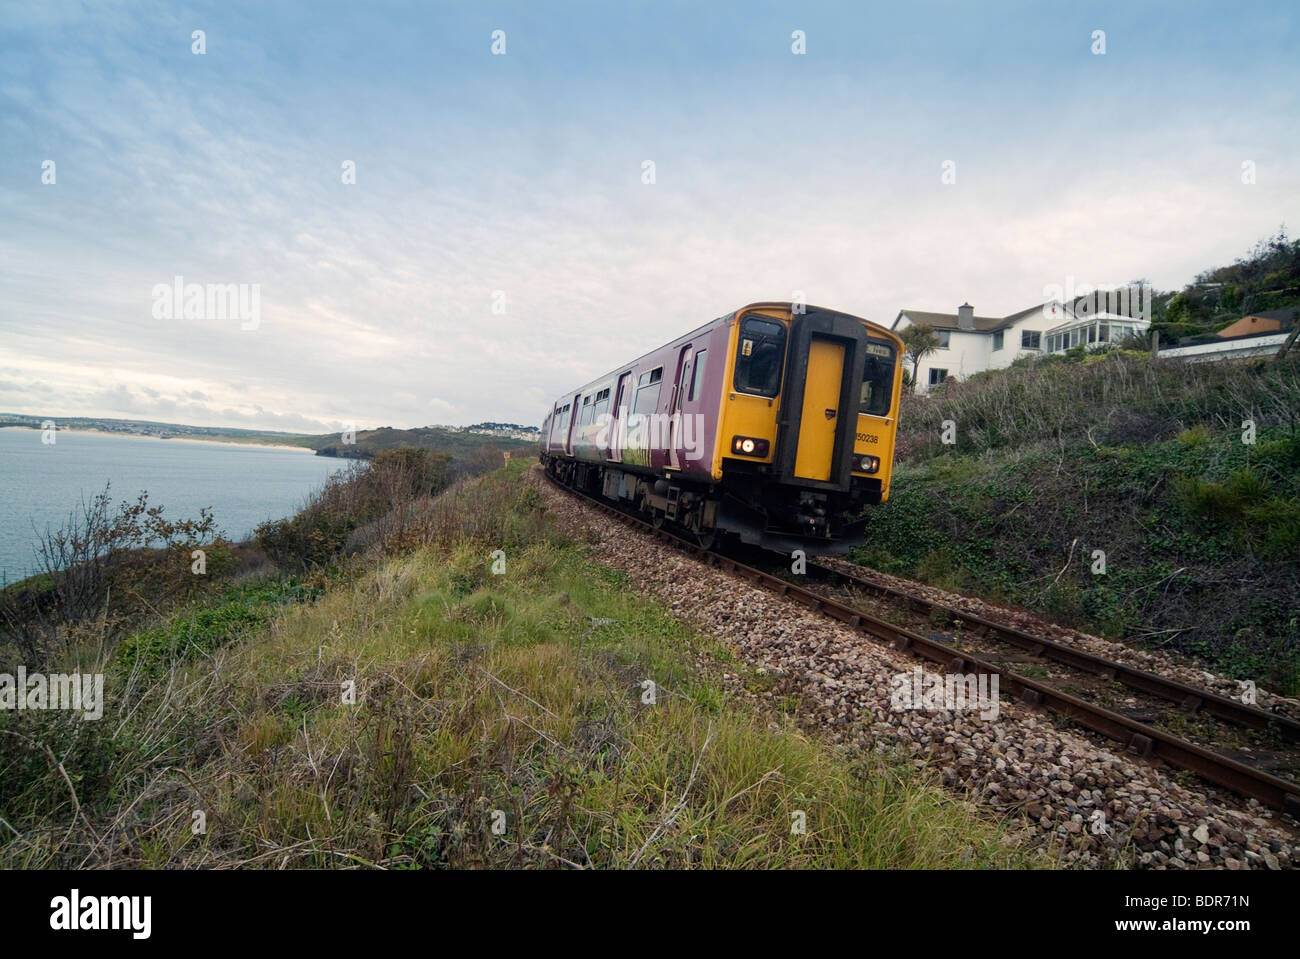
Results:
997 341
943 338
937 376
1030 340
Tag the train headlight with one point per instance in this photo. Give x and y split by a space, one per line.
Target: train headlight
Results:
748 446
866 464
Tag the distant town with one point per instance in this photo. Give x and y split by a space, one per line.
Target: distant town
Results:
506 430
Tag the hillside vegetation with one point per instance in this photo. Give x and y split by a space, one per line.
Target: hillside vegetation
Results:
1267 278
1152 463
468 446
495 719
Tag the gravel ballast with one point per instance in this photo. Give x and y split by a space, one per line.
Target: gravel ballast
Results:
1084 799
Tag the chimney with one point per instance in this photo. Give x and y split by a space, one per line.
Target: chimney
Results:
965 317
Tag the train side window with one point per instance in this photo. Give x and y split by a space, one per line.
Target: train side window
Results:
698 374
647 394
877 380
585 416
601 406
760 356
561 418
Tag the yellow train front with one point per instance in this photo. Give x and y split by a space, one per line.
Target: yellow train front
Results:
774 424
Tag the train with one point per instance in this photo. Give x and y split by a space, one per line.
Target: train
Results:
774 425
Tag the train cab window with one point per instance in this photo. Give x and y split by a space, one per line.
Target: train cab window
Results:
760 357
697 375
647 392
877 379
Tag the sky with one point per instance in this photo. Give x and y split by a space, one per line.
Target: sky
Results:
504 241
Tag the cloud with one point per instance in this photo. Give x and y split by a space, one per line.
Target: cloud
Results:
477 176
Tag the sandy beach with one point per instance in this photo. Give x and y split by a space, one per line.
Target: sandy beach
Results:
70 431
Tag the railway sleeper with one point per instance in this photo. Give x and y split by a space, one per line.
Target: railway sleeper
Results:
1142 745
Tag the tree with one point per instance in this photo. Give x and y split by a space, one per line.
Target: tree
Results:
1290 340
918 341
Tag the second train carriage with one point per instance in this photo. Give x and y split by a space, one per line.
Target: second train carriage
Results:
775 423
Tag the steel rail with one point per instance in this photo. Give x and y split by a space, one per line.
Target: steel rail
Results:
1189 697
1142 740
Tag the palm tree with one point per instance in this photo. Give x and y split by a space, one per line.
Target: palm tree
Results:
918 340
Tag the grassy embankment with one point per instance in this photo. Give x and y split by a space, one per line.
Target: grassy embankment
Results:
513 699
1143 461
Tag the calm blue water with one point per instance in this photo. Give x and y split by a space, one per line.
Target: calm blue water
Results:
244 485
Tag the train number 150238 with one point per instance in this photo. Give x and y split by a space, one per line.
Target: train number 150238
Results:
868 438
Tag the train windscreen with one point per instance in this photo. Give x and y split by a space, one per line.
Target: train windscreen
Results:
760 357
877 379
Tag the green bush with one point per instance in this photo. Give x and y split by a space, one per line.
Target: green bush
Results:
204 630
378 491
1202 540
1123 397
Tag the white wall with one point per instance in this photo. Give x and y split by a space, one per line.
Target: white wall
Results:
970 352
1230 349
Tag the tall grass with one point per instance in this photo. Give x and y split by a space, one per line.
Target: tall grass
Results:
1122 398
513 701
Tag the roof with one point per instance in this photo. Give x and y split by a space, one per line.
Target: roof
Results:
948 321
1286 314
1211 338
983 324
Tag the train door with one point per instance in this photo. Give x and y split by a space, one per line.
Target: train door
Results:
551 442
618 425
819 417
573 419
685 362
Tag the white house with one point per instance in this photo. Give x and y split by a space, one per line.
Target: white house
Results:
971 344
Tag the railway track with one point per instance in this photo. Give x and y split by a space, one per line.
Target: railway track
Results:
1141 739
1189 698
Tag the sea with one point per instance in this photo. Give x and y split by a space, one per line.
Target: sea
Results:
42 483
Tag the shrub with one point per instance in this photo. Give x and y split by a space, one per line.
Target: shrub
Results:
378 493
110 566
1123 396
